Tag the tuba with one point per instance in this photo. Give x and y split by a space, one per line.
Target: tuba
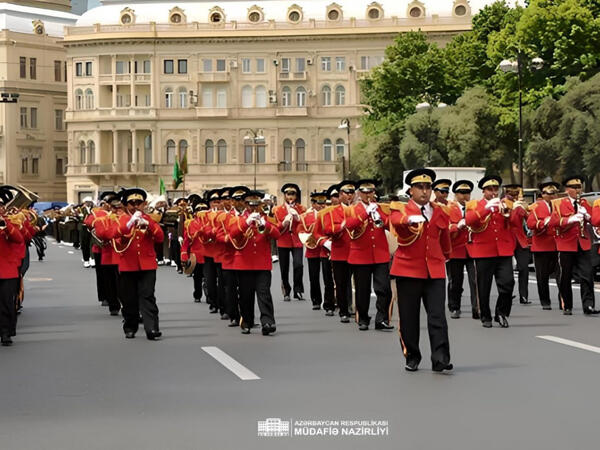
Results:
22 198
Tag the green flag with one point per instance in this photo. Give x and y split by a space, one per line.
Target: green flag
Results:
177 175
161 187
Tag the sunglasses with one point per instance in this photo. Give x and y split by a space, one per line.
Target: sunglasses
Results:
135 202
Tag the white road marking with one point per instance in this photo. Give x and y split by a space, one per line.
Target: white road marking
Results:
589 348
38 279
228 362
71 252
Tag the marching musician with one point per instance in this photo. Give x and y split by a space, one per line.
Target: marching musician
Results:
441 189
573 241
250 234
422 229
459 257
333 198
138 233
369 256
85 237
543 244
192 249
160 205
91 215
214 251
493 246
176 233
288 218
10 240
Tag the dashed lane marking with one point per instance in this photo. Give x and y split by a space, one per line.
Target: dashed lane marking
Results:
228 362
558 340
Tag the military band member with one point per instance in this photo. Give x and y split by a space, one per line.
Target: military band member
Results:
422 229
573 241
85 236
250 234
193 244
288 217
329 303
213 252
459 257
88 227
493 246
441 189
513 194
369 256
137 234
543 244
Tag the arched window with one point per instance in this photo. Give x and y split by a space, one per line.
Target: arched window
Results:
78 99
183 147
327 147
326 93
89 99
91 146
169 98
300 96
340 95
222 151
247 97
287 150
300 151
286 96
261 97
340 147
183 103
171 151
209 152
82 155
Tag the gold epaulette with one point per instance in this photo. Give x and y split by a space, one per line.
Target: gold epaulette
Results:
325 211
472 204
597 203
533 206
397 206
556 205
445 208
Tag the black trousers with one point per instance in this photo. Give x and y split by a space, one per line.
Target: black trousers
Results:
215 290
232 294
8 306
329 294
159 250
100 275
379 274
577 263
86 243
256 283
198 276
342 278
137 295
284 266
500 268
456 276
110 275
314 276
546 264
411 291
175 251
523 256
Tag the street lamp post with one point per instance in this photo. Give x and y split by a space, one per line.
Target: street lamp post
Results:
345 124
517 67
257 138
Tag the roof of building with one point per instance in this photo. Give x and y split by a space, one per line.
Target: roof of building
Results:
20 18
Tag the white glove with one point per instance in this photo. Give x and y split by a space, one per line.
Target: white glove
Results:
546 221
582 210
287 220
412 220
294 214
576 218
132 221
493 203
249 220
327 244
461 224
371 208
262 222
180 239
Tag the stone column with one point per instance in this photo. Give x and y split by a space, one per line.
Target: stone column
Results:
115 149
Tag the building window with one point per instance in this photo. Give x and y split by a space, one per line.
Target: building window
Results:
248 158
209 152
78 69
261 152
88 69
58 119
221 97
57 68
300 64
300 96
326 63
65 71
287 151
260 65
60 167
300 151
326 93
175 18
182 65
33 114
327 150
334 13
221 65
246 65
35 163
222 151
169 98
207 100
340 147
286 96
340 95
374 12
285 64
168 66
32 68
91 152
82 152
78 99
183 97
295 15
183 148
246 97
207 65
23 67
171 151
340 63
147 66
89 99
415 12
261 97
121 67
24 165
23 121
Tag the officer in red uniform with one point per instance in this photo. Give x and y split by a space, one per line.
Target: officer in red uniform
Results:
194 235
332 199
288 218
251 235
10 238
543 244
333 224
441 189
573 241
137 265
213 252
422 230
88 227
459 257
369 256
489 222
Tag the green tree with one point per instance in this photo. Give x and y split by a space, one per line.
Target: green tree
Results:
421 143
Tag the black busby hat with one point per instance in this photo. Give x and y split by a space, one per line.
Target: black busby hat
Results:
212 195
237 192
462 186
253 198
549 186
291 188
367 185
107 196
489 180
347 186
225 193
319 197
574 180
193 199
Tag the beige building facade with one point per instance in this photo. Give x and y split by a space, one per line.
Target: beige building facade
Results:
150 82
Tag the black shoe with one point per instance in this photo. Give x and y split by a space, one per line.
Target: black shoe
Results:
502 320
114 312
411 366
141 320
475 314
286 298
197 300
180 271
152 335
383 325
268 329
486 324
329 313
224 316
316 307
233 323
104 303
6 341
440 367
455 314
129 334
589 311
344 319
213 309
567 312
546 307
363 326
245 330
524 301
299 296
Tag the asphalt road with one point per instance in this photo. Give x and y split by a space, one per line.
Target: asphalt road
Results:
72 381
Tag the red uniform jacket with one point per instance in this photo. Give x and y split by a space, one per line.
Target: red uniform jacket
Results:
459 237
333 224
10 240
137 246
543 235
106 229
596 216
194 234
225 221
289 235
368 243
252 248
89 223
491 232
568 235
520 217
423 249
309 224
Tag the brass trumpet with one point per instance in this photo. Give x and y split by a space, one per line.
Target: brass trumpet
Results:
582 223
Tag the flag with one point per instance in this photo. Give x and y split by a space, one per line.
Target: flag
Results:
162 190
183 162
177 175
